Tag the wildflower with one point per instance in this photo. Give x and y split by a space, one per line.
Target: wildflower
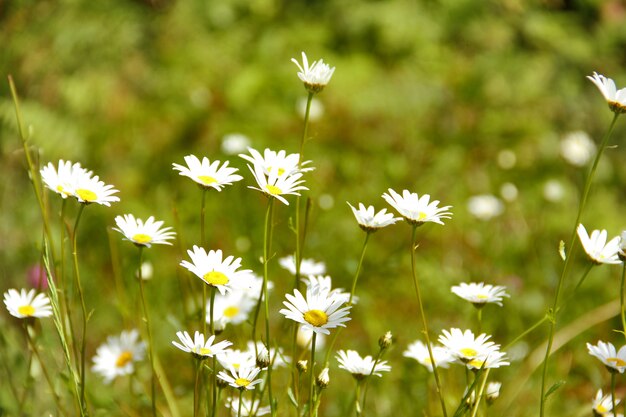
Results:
319 311
143 234
214 271
615 98
208 175
577 148
324 283
198 347
302 366
314 76
553 191
275 185
359 367
307 266
62 180
323 379
417 210
370 221
492 392
26 304
509 192
597 248
492 359
603 404
37 277
242 378
385 341
235 358
418 351
485 206
480 294
615 361
118 355
233 307
248 407
279 163
90 189
464 347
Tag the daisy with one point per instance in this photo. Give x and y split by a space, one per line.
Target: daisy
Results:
235 358
118 355
242 378
233 307
275 185
314 76
464 347
415 209
90 189
493 359
208 175
319 311
418 351
62 180
603 404
615 361
614 97
214 271
359 367
26 304
280 163
493 391
370 221
324 283
307 266
248 407
143 234
198 347
480 294
598 249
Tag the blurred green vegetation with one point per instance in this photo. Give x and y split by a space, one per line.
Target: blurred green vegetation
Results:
427 95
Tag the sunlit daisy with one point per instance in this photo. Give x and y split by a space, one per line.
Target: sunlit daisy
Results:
603 404
307 266
235 358
143 234
415 209
277 186
62 180
480 294
614 97
242 378
464 347
213 270
248 407
90 189
418 351
493 359
370 221
25 304
232 307
117 356
207 174
319 311
314 76
598 249
198 346
280 163
325 283
615 361
360 367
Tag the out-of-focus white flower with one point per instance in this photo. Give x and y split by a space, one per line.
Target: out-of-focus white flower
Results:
370 221
307 266
615 98
603 404
305 336
506 159
117 356
232 307
359 367
62 180
234 143
278 163
577 148
485 206
553 191
418 351
314 76
415 209
315 112
248 407
508 191
493 391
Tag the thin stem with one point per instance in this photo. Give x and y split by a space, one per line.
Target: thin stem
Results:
240 401
266 253
366 382
196 387
203 243
214 387
357 394
613 392
479 394
479 318
572 241
621 298
149 331
424 322
312 374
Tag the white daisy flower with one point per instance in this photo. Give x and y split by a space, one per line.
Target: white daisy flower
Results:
599 250
315 76
493 359
220 273
62 180
577 148
360 367
275 185
480 294
235 358
415 209
319 311
198 347
325 283
117 356
25 304
615 361
304 338
248 407
242 378
280 163
614 97
90 189
464 347
232 307
307 266
370 221
603 404
207 174
418 351
143 234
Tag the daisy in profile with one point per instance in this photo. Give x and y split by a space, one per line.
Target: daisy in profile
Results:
464 347
360 367
25 304
208 174
418 351
248 407
242 378
280 163
118 355
88 189
493 359
275 185
320 311
603 404
415 209
213 270
598 249
615 98
615 361
370 221
198 347
143 233
307 266
62 180
480 294
315 76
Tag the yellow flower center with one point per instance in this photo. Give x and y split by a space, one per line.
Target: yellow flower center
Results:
421 216
61 190
468 352
482 296
86 195
601 409
280 171
204 351
231 311
236 366
215 278
242 382
274 190
26 310
616 361
316 317
141 239
124 358
476 363
206 180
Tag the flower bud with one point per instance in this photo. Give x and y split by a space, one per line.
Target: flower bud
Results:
263 358
385 341
323 379
302 366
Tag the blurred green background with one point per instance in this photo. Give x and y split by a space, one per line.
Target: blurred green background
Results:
452 98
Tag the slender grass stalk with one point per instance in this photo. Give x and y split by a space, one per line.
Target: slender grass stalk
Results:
146 317
4 359
572 241
267 244
621 298
196 387
212 330
479 394
312 375
424 321
28 385
203 243
240 401
366 381
357 396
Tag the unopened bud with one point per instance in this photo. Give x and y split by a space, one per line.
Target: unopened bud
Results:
385 341
219 326
492 392
263 358
302 366
323 379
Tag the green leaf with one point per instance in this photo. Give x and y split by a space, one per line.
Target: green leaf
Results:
554 387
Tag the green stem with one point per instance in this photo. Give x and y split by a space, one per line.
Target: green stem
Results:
613 409
479 394
479 318
366 382
621 298
266 254
240 401
149 331
196 387
357 395
312 374
203 243
214 387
